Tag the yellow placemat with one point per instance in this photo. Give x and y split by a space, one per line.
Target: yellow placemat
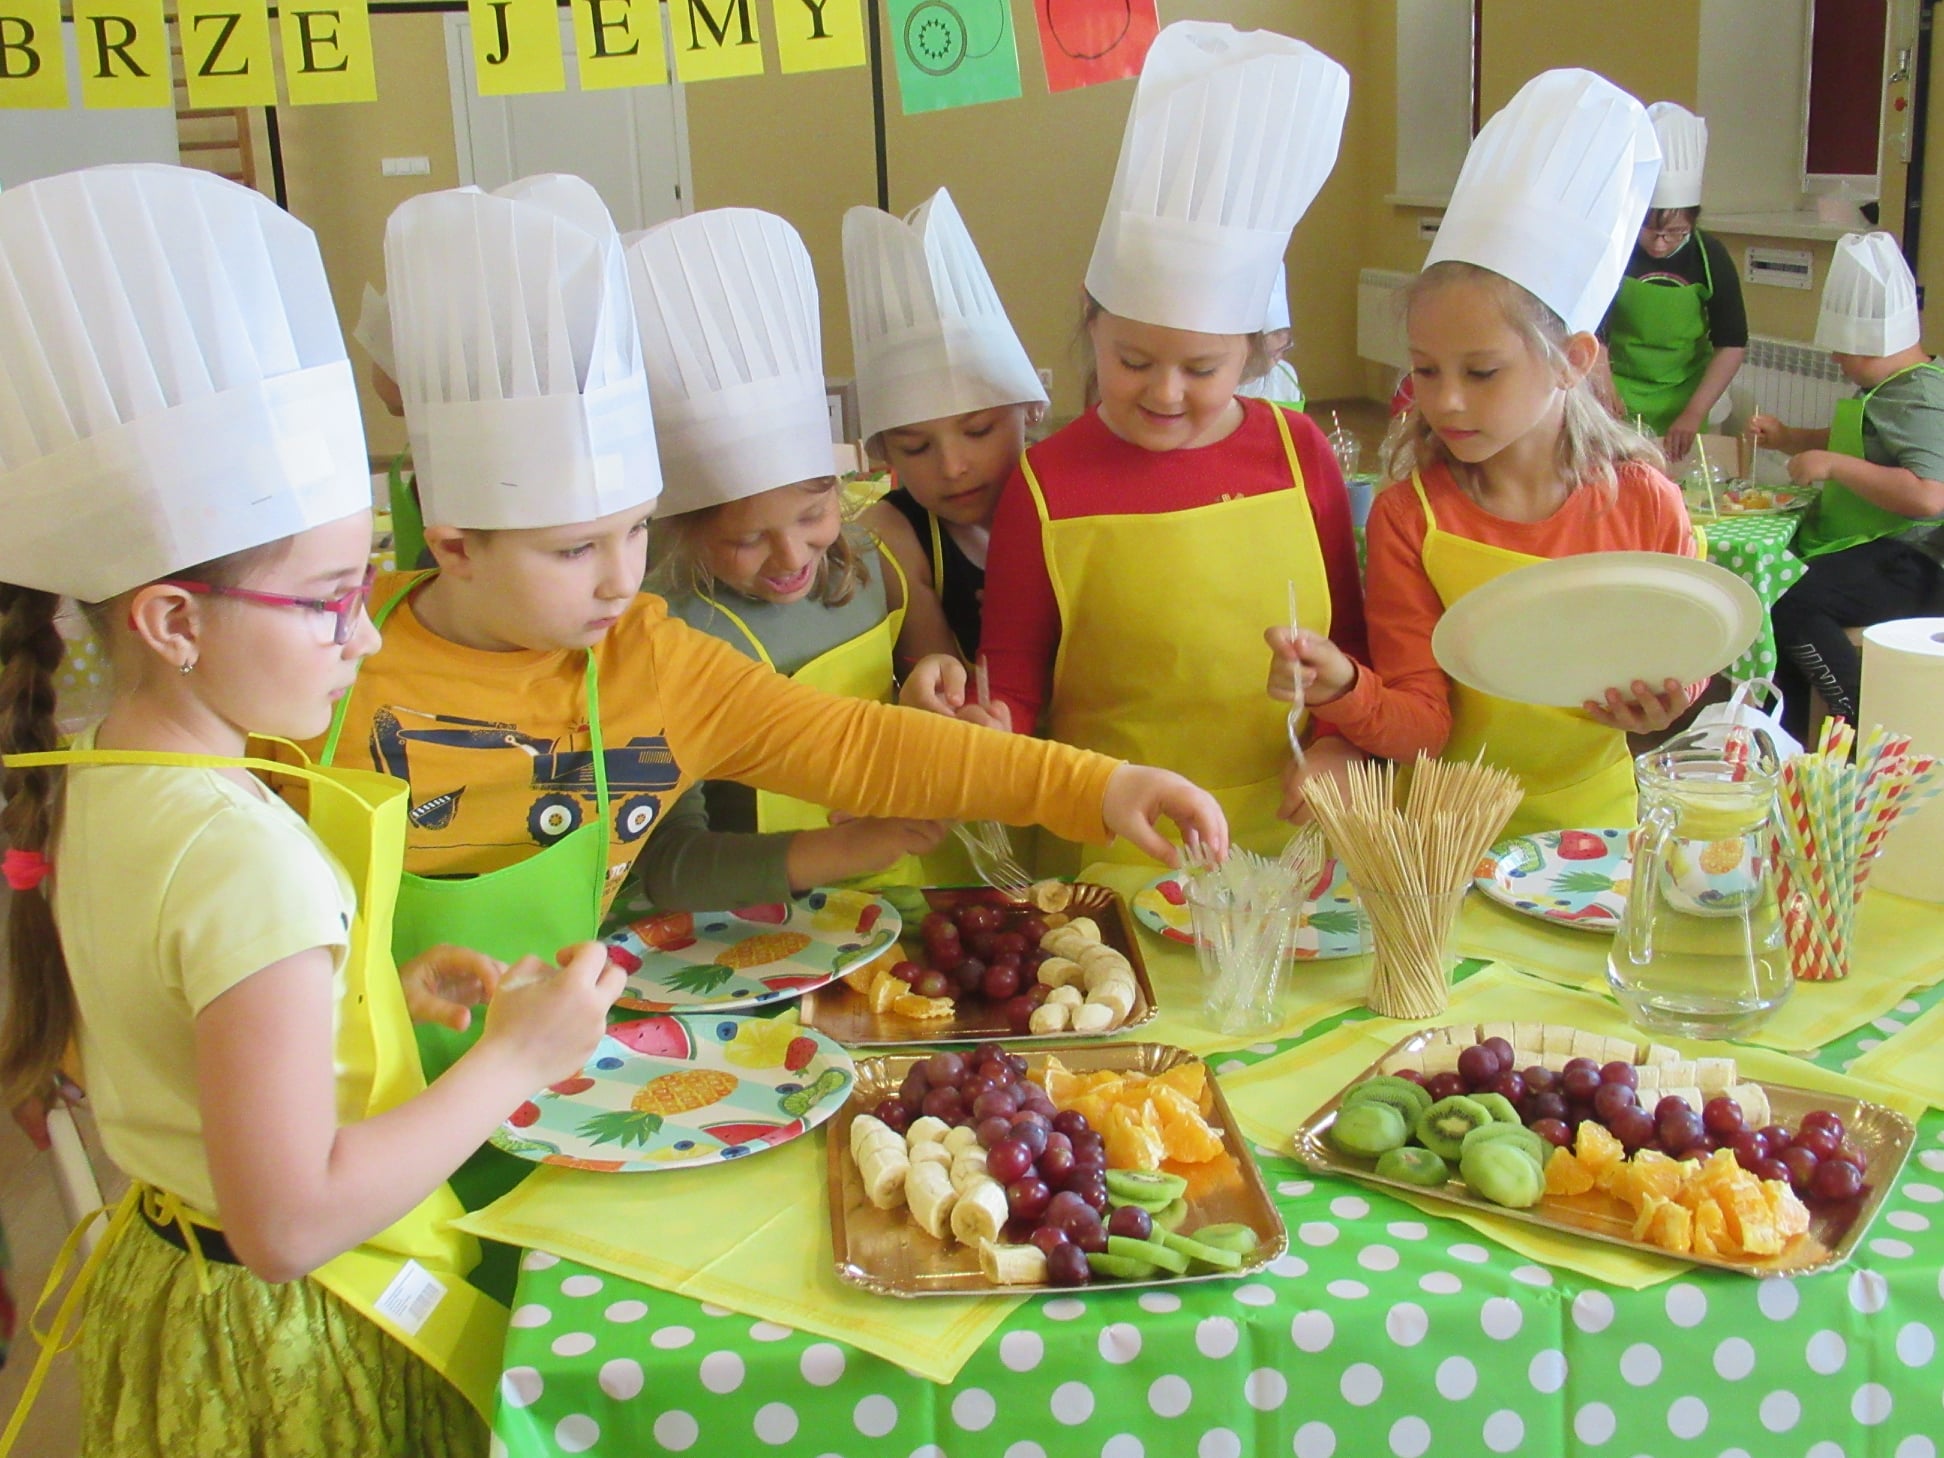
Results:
752 1235
1909 1061
1312 992
1899 947
1273 1097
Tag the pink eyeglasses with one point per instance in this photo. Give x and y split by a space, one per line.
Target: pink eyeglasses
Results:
344 608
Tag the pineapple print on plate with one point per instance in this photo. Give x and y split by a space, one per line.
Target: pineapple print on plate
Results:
723 961
1573 878
1332 924
671 1091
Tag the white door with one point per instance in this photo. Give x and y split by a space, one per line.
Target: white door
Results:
630 142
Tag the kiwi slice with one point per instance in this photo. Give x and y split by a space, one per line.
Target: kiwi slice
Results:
1503 1173
1121 1268
1368 1129
1409 1099
1151 1251
1221 1258
1229 1235
1500 1108
1442 1127
1170 1215
1515 1134
1414 1166
1149 1188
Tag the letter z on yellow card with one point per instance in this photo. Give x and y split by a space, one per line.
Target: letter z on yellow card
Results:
226 52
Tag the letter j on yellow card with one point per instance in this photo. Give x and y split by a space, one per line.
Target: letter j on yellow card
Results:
327 51
619 43
226 52
33 60
819 35
715 39
516 46
124 53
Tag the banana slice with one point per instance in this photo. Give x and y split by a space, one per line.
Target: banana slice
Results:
926 1131
865 1126
967 1169
1093 1017
961 1139
1050 895
883 1172
1753 1100
1059 971
929 1193
980 1213
1116 995
1050 1017
1068 995
929 1151
1085 927
1012 1265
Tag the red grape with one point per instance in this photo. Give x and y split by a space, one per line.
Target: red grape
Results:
906 971
974 1086
1580 1079
1046 1237
1750 1150
1817 1139
944 1103
1771 1168
1066 1265
1411 1075
1010 943
1723 1116
1091 1187
1824 1119
895 1115
1681 1131
944 950
1854 1155
936 924
1018 1064
1030 1130
1035 1101
991 1131
933 984
972 917
1478 1066
1540 1080
1553 1131
1510 1086
944 1068
982 943
1065 1208
1801 1164
1131 1221
1038 993
1032 928
1572 1063
1633 1127
1548 1105
1092 1237
1671 1105
1778 1137
1501 1049
1612 1099
968 978
1837 1179
1028 1197
1018 1013
1001 982
1056 1164
996 1103
1444 1085
1071 1122
1008 1160
1620 1071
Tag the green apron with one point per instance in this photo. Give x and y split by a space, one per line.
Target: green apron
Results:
408 523
1840 518
1658 345
532 907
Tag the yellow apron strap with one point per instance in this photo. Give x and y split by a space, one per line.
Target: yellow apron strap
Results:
1430 516
755 643
57 1338
938 555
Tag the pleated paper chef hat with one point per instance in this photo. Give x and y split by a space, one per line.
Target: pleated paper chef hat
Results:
727 304
173 382
928 333
374 330
525 396
1683 138
1277 316
1869 299
1230 136
1553 193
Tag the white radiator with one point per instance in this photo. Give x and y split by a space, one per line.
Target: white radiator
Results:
1380 317
1797 383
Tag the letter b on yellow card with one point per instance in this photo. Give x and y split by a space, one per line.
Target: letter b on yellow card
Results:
819 35
33 60
716 39
619 43
327 51
226 52
516 46
124 46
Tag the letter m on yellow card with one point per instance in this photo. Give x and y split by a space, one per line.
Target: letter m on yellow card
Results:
716 38
33 57
226 52
124 46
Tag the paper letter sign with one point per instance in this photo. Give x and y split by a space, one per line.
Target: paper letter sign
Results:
516 46
33 58
619 43
819 35
226 52
715 39
124 47
327 51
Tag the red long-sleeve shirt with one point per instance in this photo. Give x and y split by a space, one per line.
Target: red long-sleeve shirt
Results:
1087 470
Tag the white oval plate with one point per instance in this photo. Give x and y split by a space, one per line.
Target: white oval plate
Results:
1565 631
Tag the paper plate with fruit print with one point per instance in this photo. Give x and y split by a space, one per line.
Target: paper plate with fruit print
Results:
671 1092
1333 922
1575 878
718 961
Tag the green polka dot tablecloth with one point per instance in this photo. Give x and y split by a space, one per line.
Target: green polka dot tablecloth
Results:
1756 549
1379 1333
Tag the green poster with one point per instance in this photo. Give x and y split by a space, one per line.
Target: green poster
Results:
953 52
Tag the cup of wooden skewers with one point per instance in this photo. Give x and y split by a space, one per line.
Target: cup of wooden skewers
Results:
1412 864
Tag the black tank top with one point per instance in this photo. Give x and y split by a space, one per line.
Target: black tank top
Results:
958 583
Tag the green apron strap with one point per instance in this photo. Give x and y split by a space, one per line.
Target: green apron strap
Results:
599 746
408 522
328 751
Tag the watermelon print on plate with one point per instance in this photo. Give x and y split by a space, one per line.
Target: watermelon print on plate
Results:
1332 925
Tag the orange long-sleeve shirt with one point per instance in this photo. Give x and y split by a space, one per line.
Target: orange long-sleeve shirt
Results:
496 746
1401 703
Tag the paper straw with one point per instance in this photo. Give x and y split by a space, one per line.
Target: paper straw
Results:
1707 476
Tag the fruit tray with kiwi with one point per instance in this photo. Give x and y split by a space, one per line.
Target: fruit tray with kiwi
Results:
950 1207
1617 1140
974 963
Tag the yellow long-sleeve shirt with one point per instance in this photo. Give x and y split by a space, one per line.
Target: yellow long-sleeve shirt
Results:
497 749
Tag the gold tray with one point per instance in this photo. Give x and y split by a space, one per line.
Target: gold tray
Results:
840 1012
1882 1134
882 1251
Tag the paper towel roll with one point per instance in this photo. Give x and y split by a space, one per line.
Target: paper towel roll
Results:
1903 690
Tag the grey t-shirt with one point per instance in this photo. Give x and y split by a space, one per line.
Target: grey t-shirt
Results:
1903 425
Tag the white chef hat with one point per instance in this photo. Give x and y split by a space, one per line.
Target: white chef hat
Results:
1230 136
1869 299
1553 193
374 330
1277 315
173 382
1683 139
928 333
517 359
727 304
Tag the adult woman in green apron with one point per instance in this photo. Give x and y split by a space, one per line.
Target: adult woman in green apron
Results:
1882 465
1677 331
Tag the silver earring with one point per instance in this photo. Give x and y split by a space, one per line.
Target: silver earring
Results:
188 667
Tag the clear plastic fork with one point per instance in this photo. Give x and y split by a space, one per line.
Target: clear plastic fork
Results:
1294 721
987 842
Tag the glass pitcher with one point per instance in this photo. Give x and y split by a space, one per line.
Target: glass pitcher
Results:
1700 950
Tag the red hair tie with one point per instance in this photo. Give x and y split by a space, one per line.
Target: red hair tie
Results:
24 870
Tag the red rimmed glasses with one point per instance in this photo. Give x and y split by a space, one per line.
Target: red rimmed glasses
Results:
345 608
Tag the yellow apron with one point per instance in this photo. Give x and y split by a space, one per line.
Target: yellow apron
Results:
360 816
1161 619
1578 774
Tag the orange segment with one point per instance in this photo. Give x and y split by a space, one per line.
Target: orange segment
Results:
1565 1175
